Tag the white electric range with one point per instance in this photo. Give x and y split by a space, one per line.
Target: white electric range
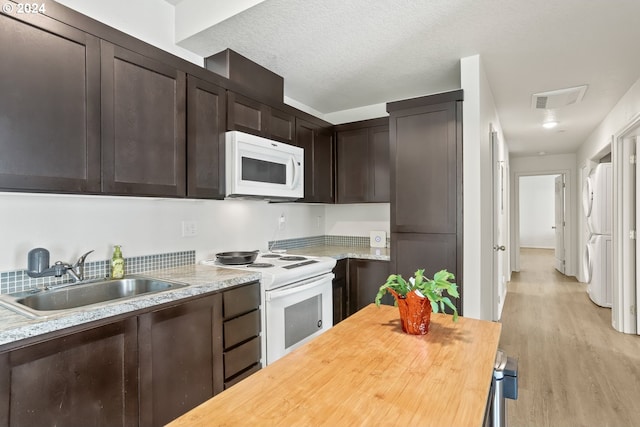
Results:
297 299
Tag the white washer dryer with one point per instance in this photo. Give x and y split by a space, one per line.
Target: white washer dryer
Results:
597 199
597 269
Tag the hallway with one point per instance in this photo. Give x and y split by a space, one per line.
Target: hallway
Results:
574 368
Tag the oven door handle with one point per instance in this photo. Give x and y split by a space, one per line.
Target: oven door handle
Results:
298 287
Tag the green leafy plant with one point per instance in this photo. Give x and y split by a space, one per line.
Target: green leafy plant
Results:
423 286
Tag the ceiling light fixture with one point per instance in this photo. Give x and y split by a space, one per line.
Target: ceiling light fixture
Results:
550 124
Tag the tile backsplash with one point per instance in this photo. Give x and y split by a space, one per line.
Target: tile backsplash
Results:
303 242
19 281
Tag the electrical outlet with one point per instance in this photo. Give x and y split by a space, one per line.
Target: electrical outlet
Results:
282 221
189 228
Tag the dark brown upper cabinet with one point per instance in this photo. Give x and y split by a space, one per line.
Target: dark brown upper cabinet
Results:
49 106
250 116
280 126
362 154
206 114
425 171
143 125
317 142
426 185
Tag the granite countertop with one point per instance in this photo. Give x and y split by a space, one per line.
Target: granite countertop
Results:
201 278
343 252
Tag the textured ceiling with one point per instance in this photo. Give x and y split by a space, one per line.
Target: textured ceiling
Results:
337 55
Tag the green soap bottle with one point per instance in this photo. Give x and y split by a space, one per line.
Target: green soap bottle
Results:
117 264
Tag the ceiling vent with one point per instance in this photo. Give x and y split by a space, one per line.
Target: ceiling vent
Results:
557 98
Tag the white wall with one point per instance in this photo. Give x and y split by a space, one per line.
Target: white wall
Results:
480 294
71 225
357 219
621 114
547 165
355 114
537 211
152 21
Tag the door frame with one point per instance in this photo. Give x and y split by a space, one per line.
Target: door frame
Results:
569 256
625 296
564 220
500 224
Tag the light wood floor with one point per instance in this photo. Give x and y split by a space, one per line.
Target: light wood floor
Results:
574 368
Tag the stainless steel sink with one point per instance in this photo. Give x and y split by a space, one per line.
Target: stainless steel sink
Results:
41 303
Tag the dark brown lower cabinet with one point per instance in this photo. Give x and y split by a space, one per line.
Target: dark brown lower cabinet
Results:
241 334
177 359
340 292
87 378
433 252
365 278
144 370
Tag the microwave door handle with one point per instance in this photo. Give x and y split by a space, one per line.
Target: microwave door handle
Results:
296 172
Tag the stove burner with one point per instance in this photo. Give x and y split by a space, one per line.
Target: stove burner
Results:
292 258
260 265
270 256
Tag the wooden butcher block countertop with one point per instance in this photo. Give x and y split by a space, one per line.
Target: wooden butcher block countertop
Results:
366 372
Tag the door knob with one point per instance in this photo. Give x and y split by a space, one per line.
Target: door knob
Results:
553 226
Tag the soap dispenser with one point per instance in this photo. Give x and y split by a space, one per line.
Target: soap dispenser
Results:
117 264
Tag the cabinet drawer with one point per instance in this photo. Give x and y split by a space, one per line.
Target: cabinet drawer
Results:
241 328
240 300
242 376
241 357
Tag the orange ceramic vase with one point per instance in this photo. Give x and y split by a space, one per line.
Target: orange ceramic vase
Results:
415 312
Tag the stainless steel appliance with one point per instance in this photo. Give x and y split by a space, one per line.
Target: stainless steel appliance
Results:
259 168
504 385
297 300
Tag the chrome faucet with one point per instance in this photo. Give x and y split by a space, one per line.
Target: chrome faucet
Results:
38 265
77 270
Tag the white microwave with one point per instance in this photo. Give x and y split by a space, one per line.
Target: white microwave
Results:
259 168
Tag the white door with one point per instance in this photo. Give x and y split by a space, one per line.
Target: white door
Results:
559 223
633 292
499 249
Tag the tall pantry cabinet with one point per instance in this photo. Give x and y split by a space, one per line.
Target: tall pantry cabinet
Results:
426 185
